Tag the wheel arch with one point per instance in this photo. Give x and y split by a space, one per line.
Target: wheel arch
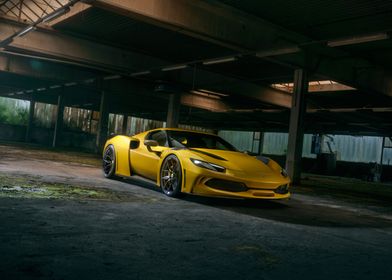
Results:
121 145
163 157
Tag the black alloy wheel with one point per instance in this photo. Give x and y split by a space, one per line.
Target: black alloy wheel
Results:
171 176
109 162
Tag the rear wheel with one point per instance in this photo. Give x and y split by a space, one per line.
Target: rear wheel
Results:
109 162
171 176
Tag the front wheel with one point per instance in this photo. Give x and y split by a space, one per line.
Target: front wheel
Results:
109 162
171 176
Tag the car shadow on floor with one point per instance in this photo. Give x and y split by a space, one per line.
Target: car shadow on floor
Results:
296 211
293 211
140 183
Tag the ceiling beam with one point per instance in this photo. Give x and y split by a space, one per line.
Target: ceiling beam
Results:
65 49
51 44
226 26
208 20
41 69
203 102
76 9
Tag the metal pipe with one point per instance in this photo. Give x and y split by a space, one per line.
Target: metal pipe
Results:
64 9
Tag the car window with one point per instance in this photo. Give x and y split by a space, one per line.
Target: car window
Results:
181 139
159 136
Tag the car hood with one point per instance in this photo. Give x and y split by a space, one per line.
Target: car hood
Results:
237 162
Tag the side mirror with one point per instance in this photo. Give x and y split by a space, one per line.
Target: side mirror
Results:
151 143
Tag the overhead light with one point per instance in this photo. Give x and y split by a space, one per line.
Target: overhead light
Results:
88 81
277 52
205 94
29 91
113 77
41 89
242 110
11 94
19 93
219 60
54 87
213 92
70 84
140 73
358 40
176 67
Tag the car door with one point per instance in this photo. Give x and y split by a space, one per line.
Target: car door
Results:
144 160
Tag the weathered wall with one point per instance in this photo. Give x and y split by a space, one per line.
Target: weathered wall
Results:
349 148
44 136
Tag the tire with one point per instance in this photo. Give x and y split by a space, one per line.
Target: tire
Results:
171 176
109 162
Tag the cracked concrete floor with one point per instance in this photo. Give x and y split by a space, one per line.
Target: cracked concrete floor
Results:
138 233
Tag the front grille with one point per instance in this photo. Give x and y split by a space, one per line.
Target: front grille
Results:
225 185
284 189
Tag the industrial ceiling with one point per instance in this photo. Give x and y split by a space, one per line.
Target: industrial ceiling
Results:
226 57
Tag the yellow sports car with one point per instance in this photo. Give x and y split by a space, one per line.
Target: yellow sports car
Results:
183 161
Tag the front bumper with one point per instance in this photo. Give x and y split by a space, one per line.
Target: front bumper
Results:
209 183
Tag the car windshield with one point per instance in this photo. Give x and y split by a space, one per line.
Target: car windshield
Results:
182 139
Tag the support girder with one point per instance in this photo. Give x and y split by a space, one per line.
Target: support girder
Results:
67 49
51 44
76 9
41 69
211 21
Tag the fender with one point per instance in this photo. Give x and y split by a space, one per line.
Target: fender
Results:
164 155
121 147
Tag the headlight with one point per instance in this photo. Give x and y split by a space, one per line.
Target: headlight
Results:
284 172
208 165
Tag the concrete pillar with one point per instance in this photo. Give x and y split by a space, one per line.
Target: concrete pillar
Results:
59 120
125 124
261 143
296 129
30 121
173 112
103 124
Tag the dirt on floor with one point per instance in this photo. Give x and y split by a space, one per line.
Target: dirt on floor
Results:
12 150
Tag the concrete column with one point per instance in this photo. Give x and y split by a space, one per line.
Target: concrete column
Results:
261 143
124 124
103 125
173 112
296 129
59 120
30 122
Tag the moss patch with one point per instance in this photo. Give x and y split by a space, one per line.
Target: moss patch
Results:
22 187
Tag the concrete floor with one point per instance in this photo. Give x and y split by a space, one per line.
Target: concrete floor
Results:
138 233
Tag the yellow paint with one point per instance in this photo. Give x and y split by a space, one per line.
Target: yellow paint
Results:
261 179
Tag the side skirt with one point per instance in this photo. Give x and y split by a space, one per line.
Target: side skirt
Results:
140 178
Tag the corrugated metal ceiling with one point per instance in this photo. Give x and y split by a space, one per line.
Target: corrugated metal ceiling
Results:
131 34
322 19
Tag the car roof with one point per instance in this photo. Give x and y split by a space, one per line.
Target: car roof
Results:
179 129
